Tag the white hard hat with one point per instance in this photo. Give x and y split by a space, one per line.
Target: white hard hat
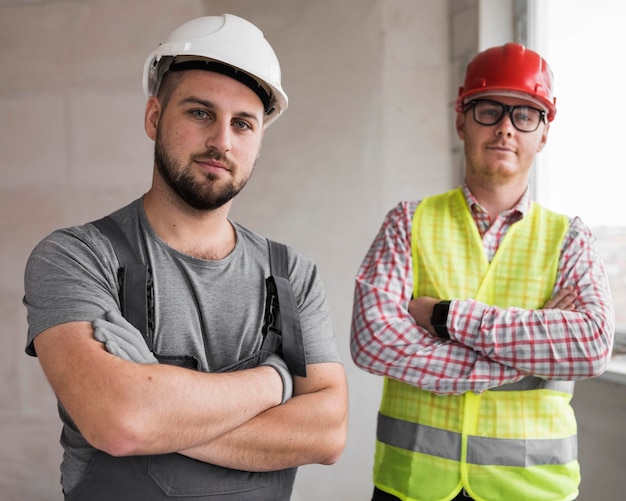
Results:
226 44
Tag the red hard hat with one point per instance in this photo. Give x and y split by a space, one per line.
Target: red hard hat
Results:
510 69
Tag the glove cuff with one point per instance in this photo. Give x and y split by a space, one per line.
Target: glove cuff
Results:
285 376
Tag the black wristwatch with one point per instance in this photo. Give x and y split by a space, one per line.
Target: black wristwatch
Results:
439 319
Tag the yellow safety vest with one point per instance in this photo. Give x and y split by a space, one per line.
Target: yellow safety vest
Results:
514 443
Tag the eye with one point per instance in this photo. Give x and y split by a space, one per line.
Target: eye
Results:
526 115
489 112
241 125
199 114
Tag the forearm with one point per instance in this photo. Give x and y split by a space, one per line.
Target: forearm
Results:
548 343
387 341
310 428
126 408
183 408
569 337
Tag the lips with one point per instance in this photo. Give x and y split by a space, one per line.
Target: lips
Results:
502 148
210 165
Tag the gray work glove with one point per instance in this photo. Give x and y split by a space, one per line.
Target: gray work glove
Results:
273 360
122 339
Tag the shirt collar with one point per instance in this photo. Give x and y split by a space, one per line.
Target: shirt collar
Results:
519 210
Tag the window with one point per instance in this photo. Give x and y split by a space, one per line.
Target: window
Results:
581 169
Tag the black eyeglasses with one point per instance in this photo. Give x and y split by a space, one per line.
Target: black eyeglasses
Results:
524 118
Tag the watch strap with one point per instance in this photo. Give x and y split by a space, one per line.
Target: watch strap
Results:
439 319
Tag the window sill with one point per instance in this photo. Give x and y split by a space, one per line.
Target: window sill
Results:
616 372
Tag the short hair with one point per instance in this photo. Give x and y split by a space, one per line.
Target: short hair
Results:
169 83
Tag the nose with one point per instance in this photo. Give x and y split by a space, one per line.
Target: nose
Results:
505 126
219 136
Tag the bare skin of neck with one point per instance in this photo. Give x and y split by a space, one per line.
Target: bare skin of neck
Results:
497 197
204 235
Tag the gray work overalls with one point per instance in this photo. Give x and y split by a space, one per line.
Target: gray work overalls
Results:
176 477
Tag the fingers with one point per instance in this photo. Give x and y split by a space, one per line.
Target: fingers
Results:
116 318
421 309
122 339
113 344
562 300
121 348
126 353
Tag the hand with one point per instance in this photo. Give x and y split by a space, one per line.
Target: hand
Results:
421 309
122 339
562 300
274 361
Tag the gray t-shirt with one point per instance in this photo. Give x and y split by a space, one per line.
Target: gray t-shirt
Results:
211 310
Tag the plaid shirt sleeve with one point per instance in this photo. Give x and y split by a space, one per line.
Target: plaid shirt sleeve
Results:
385 340
552 344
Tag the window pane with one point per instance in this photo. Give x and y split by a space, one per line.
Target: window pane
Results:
580 171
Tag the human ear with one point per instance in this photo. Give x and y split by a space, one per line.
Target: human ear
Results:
544 138
151 117
460 125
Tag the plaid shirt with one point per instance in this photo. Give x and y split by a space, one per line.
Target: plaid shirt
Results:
489 346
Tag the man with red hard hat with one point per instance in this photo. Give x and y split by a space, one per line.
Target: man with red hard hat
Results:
204 366
481 308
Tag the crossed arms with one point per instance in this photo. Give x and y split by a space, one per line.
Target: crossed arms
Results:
570 338
233 419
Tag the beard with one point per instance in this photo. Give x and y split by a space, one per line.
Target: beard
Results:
204 195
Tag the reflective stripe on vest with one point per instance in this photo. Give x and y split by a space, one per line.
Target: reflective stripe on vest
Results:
536 383
515 442
481 450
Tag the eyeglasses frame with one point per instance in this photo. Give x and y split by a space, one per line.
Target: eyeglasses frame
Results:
508 110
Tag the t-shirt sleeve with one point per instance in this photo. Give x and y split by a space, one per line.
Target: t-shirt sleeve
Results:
70 276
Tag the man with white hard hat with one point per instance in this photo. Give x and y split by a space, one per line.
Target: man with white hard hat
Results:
191 357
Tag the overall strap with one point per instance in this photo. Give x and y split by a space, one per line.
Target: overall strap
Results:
287 318
136 295
135 279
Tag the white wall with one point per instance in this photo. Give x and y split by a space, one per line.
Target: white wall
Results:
367 125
